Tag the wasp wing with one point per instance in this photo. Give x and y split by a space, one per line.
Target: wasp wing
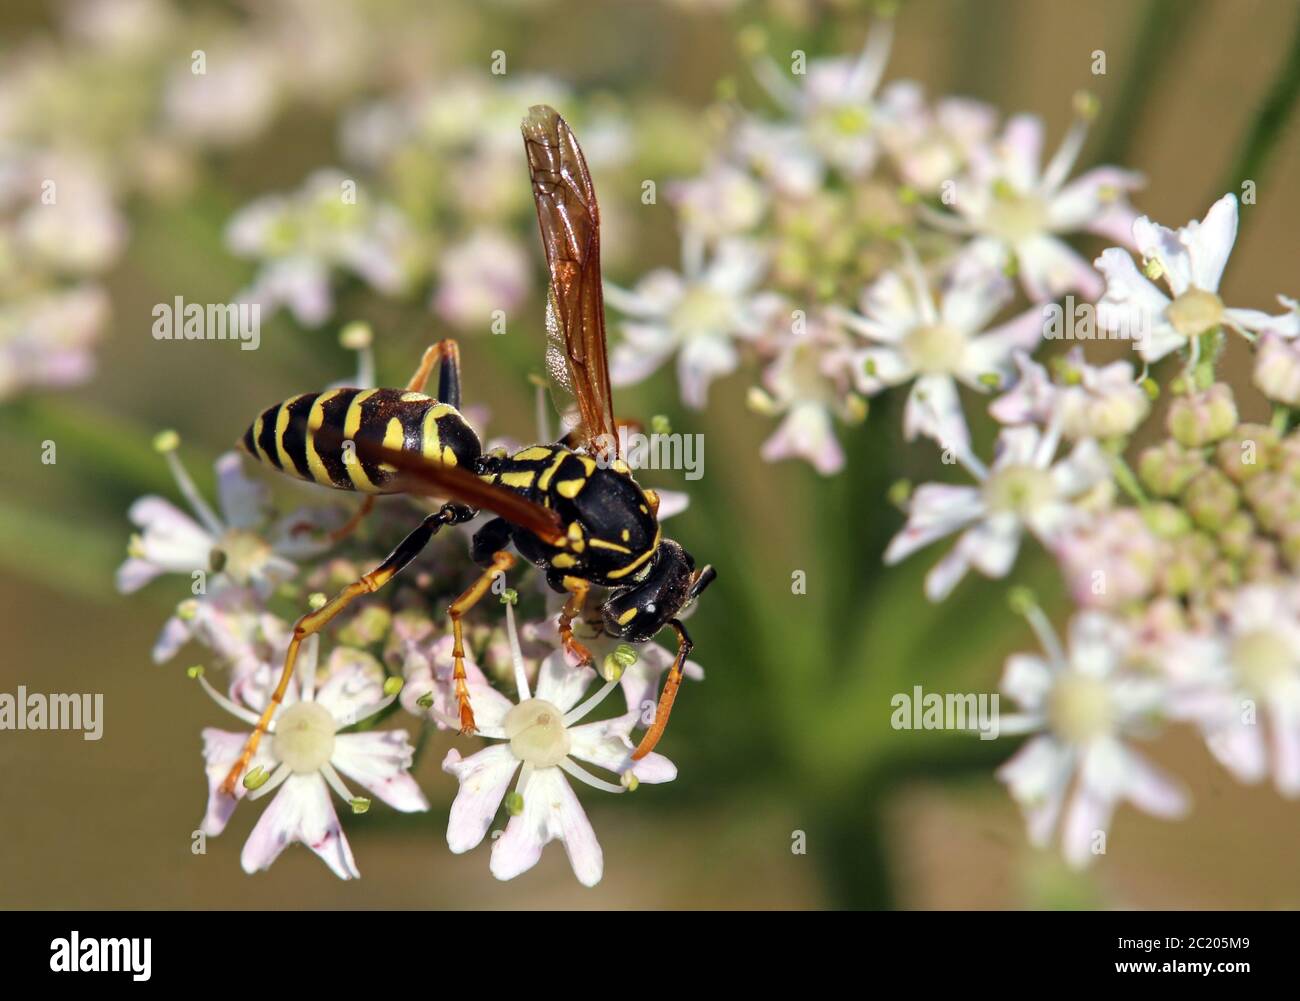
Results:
569 220
420 475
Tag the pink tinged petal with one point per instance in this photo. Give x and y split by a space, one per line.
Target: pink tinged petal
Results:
489 705
1115 224
1131 305
561 685
1032 397
606 745
1028 679
947 573
973 296
889 303
484 778
936 510
991 546
380 761
301 811
806 432
1258 322
1016 446
1209 243
551 810
176 632
243 501
993 351
1085 467
1239 747
1284 726
349 689
875 369
1049 268
1096 642
1037 777
171 539
672 502
700 361
1159 243
934 410
1151 791
134 574
629 365
1021 151
221 749
1086 821
1078 204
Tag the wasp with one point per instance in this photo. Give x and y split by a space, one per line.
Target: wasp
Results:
572 508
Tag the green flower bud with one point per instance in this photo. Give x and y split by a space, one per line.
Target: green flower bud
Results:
1166 521
514 803
1236 535
1211 499
1166 469
1203 417
1189 563
1274 500
368 626
1251 449
359 804
256 777
1261 562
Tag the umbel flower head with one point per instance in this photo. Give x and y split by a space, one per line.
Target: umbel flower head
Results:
540 737
302 761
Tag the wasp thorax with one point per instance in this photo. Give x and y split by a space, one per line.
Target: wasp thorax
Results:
1263 660
935 348
304 737
1080 708
535 729
1194 312
1018 490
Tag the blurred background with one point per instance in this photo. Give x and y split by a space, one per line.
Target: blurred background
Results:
790 733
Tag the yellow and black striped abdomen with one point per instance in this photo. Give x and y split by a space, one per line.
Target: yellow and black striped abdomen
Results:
288 436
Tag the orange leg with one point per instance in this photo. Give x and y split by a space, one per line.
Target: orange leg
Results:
502 562
668 695
577 588
314 622
446 350
350 526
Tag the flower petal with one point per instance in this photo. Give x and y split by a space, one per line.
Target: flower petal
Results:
301 811
551 810
484 778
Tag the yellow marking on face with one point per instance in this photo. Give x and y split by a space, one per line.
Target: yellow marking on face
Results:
563 561
448 456
624 571
628 616
545 482
603 544
315 419
534 453
443 410
576 537
570 488
626 535
281 425
522 479
351 425
413 397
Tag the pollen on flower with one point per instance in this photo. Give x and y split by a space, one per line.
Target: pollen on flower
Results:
1194 312
1262 659
935 348
1018 490
1080 708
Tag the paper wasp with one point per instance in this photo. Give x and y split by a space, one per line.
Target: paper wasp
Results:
571 508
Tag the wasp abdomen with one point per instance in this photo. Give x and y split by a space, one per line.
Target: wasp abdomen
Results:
312 436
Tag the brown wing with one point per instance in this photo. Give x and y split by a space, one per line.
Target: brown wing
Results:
575 310
417 474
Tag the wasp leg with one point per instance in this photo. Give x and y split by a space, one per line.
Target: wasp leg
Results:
577 588
502 562
668 695
350 526
314 622
446 351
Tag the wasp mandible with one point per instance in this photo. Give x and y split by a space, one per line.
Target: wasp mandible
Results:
572 508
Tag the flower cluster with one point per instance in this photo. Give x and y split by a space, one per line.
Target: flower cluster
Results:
248 568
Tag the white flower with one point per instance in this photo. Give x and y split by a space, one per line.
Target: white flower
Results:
303 755
47 339
1243 684
485 272
1015 210
231 544
932 145
833 106
1022 491
542 734
698 314
1191 260
230 102
721 202
1081 706
937 346
1092 401
1277 367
